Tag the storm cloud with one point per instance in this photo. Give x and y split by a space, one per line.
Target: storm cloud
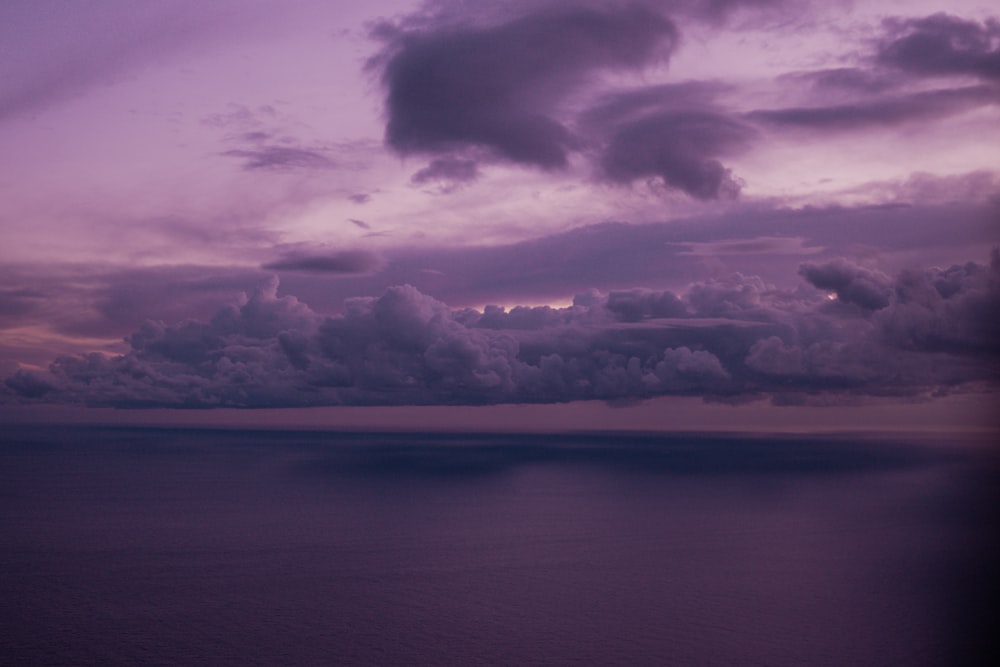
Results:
726 339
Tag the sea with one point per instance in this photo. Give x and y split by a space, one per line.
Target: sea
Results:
172 546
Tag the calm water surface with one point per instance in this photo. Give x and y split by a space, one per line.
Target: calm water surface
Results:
186 547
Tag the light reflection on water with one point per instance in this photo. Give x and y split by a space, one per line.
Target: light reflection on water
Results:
195 547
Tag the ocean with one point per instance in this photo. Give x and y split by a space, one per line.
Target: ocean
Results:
129 546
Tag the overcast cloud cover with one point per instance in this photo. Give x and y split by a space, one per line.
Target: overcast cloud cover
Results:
257 205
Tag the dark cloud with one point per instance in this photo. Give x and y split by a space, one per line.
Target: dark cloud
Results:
942 44
496 89
880 112
346 261
499 87
853 284
613 108
674 133
951 310
719 10
442 12
359 223
679 147
449 171
281 158
767 242
640 304
18 302
724 339
849 79
29 385
98 301
108 302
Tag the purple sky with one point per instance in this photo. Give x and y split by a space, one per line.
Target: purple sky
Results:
650 214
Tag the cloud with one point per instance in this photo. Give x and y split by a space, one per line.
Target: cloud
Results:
614 107
942 44
640 304
450 172
725 339
17 303
676 149
763 245
281 158
106 301
345 261
499 87
853 284
29 385
852 79
880 112
521 84
673 132
764 241
265 139
53 56
952 310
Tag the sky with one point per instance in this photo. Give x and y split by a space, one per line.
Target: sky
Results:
537 213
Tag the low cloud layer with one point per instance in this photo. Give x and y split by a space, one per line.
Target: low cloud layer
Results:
852 331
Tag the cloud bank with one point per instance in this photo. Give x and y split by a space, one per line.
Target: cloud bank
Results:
851 331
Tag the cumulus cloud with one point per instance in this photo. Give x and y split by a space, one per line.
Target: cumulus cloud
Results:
951 310
853 284
724 339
